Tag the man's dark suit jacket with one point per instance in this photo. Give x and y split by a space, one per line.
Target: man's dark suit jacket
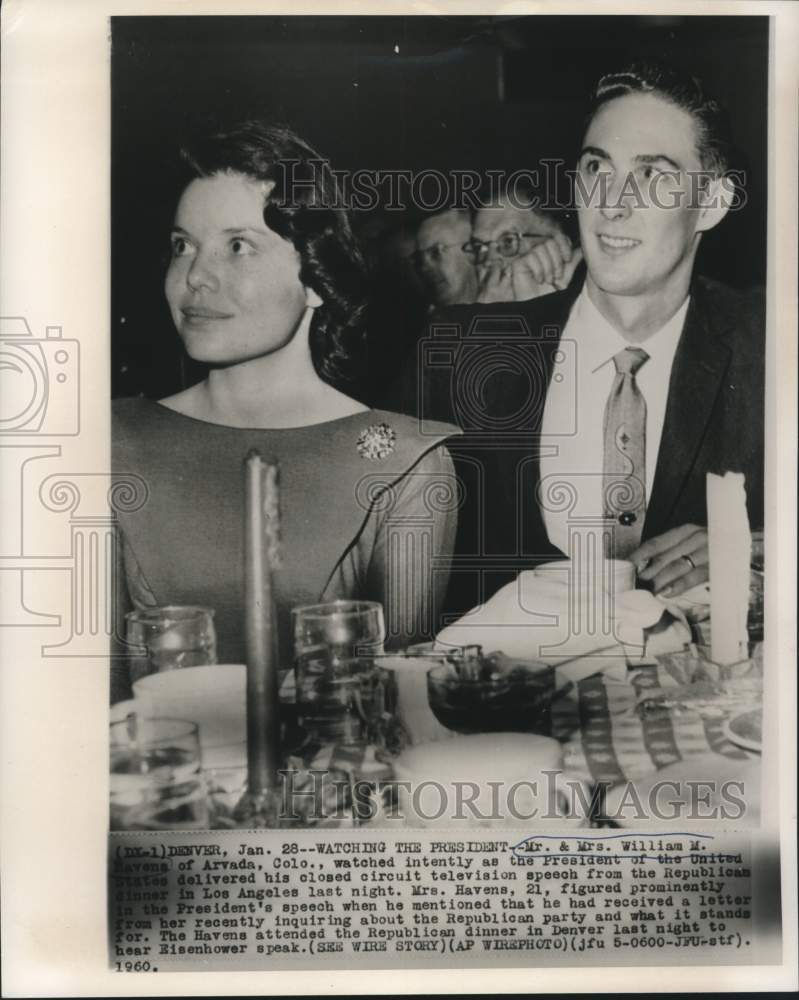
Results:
487 368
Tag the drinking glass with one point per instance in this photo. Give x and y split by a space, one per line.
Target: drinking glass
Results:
169 638
341 691
156 777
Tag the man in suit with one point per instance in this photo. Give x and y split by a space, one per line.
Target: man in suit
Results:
613 399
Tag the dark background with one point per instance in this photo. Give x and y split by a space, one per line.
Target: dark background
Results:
479 93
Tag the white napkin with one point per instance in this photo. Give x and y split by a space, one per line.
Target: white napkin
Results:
540 618
529 619
642 629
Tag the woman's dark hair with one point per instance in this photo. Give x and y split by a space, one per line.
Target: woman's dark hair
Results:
305 207
713 133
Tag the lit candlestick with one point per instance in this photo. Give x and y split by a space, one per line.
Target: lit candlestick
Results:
261 556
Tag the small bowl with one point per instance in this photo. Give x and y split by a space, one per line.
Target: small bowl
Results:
506 696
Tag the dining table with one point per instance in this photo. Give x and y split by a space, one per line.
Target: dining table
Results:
622 724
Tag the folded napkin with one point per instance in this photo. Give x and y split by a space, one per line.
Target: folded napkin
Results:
649 626
695 602
538 617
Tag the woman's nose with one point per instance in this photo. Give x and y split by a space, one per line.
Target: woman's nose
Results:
202 273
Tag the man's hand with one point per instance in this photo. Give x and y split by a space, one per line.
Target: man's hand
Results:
547 262
674 561
546 266
495 283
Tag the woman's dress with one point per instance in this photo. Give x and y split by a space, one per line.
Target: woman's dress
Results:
368 510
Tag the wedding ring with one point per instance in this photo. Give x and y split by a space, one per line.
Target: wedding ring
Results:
690 561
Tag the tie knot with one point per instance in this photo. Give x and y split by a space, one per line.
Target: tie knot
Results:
629 360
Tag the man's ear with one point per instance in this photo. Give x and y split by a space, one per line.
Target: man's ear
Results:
715 200
312 300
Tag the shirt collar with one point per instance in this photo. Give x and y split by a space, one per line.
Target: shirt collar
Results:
599 340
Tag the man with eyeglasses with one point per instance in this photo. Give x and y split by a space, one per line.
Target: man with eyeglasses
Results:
455 268
519 252
509 254
445 269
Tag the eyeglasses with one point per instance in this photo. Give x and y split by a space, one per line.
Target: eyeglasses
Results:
507 244
432 254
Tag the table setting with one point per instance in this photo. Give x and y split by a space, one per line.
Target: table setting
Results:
571 670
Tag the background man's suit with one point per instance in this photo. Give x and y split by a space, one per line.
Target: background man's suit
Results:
487 367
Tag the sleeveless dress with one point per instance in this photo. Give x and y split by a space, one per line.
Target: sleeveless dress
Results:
368 511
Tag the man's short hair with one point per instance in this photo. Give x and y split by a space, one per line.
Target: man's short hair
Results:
714 141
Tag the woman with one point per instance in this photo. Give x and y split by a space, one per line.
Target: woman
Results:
265 286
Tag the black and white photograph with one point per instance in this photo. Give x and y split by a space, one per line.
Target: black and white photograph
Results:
422 599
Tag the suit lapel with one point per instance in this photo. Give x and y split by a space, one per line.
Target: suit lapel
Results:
546 327
699 367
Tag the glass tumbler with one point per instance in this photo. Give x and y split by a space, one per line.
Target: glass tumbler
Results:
340 688
156 778
168 638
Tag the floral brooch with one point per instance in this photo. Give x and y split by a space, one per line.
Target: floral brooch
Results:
376 442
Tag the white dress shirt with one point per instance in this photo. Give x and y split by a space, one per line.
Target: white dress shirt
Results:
572 449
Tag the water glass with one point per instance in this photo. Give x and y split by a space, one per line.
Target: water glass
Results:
212 696
341 690
168 638
156 778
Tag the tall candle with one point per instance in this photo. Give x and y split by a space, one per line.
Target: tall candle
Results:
261 556
729 545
